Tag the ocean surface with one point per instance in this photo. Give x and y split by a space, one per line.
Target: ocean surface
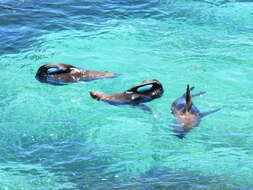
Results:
59 138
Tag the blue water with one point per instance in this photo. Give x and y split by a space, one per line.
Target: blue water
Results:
57 137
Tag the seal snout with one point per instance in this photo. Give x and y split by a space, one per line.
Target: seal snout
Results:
96 95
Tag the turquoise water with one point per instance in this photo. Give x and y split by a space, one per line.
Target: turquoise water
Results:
57 137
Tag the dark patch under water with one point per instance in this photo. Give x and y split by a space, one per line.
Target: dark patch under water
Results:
77 161
23 21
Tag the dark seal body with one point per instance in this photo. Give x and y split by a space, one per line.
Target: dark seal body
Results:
186 114
65 73
134 96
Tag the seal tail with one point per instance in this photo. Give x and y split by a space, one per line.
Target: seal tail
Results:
209 112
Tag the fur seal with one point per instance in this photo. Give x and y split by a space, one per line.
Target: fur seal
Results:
186 113
135 96
63 73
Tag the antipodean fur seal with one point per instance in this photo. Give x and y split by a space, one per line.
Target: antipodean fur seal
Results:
58 73
135 96
186 113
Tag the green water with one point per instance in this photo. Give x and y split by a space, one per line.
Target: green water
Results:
57 137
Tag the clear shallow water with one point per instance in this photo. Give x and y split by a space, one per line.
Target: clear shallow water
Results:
57 137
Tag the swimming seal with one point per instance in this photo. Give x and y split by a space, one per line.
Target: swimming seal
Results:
58 73
186 113
135 96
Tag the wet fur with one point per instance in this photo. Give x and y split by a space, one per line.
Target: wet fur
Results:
133 96
67 73
186 114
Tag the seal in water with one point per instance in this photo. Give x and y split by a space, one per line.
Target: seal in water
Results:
58 74
135 96
186 113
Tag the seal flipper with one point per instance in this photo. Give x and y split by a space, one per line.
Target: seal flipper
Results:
188 99
143 107
199 94
43 71
180 135
209 112
62 68
155 85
